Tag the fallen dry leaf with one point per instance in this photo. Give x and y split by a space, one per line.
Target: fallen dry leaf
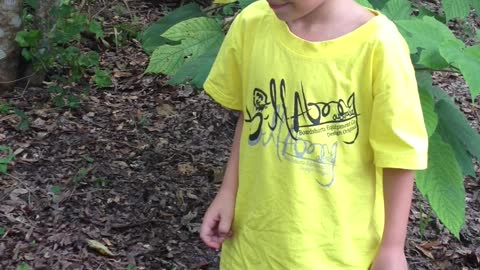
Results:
429 245
99 247
425 252
186 169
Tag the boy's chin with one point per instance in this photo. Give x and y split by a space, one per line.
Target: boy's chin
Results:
283 17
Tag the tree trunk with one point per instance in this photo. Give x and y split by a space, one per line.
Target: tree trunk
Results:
10 24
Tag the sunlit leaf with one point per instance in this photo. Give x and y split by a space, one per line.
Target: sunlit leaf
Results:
151 38
196 71
197 36
99 247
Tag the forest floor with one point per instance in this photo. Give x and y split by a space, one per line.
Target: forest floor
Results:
136 165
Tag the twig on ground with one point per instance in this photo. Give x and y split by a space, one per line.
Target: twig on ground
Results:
129 10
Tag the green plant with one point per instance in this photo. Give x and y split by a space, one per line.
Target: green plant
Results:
184 45
6 157
88 159
62 98
59 48
101 182
5 107
143 121
24 266
24 122
80 175
2 231
424 220
56 190
126 31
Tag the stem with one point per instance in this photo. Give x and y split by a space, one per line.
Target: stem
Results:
453 70
213 8
23 78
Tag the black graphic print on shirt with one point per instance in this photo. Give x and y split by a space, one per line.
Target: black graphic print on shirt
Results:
305 132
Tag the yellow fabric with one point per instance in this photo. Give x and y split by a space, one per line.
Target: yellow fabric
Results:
321 120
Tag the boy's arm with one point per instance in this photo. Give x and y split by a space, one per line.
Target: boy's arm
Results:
397 192
217 222
230 179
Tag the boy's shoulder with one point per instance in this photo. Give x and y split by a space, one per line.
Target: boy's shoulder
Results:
385 35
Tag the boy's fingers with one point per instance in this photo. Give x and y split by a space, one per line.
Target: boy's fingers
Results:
208 232
224 227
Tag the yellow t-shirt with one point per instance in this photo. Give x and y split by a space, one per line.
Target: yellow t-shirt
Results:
321 120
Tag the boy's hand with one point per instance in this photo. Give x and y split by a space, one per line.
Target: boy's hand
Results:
390 259
218 220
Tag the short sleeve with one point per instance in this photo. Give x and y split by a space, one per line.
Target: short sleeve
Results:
224 82
397 132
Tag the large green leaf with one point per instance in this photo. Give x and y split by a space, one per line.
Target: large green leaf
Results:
462 156
364 3
476 6
464 159
466 61
197 70
377 4
423 11
151 38
425 36
473 51
425 33
456 8
454 122
197 36
398 9
425 82
198 29
432 59
429 115
245 3
442 185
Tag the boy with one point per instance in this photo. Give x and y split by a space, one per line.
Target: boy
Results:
321 170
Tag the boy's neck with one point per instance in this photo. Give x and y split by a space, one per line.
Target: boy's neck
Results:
331 19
